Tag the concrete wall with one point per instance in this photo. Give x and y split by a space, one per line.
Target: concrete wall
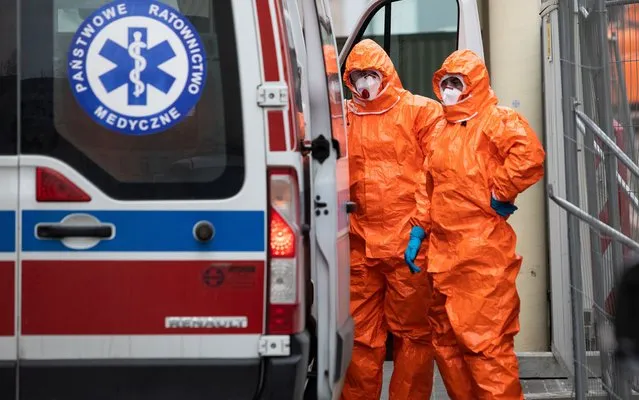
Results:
515 61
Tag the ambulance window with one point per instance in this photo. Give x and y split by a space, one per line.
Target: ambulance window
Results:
295 75
8 80
148 112
333 79
422 34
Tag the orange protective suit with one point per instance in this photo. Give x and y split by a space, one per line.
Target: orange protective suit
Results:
477 150
387 183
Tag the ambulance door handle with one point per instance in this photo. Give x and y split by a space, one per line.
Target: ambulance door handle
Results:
59 231
318 203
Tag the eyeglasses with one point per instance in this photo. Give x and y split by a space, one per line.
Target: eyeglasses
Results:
355 75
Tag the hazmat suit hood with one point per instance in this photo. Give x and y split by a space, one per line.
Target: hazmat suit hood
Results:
477 95
369 55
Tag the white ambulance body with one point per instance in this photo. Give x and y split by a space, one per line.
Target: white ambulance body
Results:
175 200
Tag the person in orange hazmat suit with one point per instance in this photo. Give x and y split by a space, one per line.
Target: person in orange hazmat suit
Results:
477 160
388 184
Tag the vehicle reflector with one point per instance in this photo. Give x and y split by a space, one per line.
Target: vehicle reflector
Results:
52 186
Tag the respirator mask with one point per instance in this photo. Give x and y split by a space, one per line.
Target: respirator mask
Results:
368 87
450 96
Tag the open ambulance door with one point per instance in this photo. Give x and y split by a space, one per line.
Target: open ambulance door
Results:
330 204
418 35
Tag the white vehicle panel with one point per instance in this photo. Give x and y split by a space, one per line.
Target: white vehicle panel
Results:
86 344
138 347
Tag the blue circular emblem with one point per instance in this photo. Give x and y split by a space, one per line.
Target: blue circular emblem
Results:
137 66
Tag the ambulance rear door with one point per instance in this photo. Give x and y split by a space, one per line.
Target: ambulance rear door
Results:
330 201
143 198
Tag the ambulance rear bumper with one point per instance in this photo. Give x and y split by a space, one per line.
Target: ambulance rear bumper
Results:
7 380
285 377
229 379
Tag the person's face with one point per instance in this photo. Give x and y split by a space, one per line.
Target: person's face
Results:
452 82
357 74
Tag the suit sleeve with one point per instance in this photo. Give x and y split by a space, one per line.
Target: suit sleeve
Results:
427 119
522 152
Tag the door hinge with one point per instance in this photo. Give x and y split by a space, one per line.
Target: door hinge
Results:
272 94
275 346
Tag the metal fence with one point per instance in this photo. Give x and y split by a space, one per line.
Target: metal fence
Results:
599 62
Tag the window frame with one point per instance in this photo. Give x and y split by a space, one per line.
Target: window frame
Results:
387 29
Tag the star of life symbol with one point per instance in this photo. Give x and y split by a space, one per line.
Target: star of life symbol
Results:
137 66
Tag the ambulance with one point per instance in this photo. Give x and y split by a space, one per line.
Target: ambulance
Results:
175 199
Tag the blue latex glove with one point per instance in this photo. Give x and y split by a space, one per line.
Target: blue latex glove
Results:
503 208
417 235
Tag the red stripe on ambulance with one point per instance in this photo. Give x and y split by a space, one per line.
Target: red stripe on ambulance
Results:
138 297
276 124
267 41
277 133
7 298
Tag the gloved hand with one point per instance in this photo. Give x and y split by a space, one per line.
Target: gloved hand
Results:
503 208
417 235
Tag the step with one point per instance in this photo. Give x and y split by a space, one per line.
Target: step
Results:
534 389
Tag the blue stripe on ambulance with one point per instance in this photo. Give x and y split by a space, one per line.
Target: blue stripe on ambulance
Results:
159 231
7 231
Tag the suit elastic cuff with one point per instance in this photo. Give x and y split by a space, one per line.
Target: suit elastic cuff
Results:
501 198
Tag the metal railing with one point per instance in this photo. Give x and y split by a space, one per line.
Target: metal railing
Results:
600 153
593 222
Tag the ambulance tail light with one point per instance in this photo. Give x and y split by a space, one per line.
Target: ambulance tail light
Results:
285 313
52 186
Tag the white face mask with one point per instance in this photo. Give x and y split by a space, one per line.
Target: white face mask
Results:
368 87
450 96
